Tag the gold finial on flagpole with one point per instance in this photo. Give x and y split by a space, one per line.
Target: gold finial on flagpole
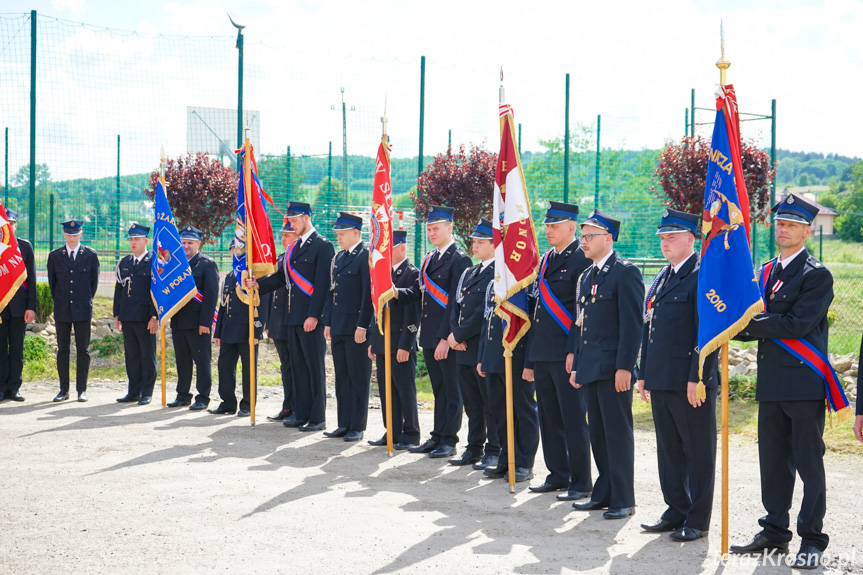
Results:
722 63
384 117
162 161
502 97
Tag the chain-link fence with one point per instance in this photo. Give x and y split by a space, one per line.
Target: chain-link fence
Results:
90 108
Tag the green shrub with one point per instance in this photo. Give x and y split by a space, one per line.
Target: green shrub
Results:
422 370
46 302
36 349
742 387
109 345
831 317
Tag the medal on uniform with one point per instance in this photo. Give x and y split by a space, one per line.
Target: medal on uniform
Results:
593 293
775 289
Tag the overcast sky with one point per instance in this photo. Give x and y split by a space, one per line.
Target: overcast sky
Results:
632 62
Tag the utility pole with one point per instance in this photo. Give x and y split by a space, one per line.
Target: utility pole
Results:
345 176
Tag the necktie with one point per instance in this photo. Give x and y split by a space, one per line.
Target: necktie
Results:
671 274
136 261
72 255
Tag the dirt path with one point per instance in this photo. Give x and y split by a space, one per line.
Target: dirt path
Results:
106 488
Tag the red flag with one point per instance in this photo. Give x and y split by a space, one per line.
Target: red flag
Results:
381 254
727 98
13 272
261 233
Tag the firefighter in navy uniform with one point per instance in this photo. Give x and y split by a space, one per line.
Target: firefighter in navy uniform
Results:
608 329
73 277
277 330
439 275
347 315
466 326
135 317
791 396
404 323
858 421
191 327
232 337
14 318
668 378
565 436
308 271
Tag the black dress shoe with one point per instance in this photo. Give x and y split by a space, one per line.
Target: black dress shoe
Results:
179 403
145 400
128 398
15 396
442 451
466 458
486 461
352 436
313 426
292 421
547 488
573 495
427 446
809 557
82 397
2 396
244 413
222 410
62 396
494 472
619 513
404 446
758 544
661 526
687 534
337 432
379 442
523 474
280 416
198 406
589 505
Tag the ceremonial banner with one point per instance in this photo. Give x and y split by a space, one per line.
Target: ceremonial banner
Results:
728 293
173 284
516 255
13 271
263 245
381 241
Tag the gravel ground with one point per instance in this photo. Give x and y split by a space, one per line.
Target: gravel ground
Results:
109 488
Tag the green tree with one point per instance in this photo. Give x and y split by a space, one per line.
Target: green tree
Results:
849 226
22 176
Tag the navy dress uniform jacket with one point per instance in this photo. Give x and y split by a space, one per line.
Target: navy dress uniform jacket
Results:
233 323
200 314
73 283
445 271
132 299
546 340
798 310
669 359
467 311
26 297
277 321
404 313
349 302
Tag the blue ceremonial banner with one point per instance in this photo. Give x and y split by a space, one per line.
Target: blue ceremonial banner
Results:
173 284
728 294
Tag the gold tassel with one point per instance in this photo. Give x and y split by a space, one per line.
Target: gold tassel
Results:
700 391
844 415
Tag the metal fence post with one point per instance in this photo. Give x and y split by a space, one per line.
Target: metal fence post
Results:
772 165
596 170
821 243
329 201
417 225
566 148
519 138
51 221
31 223
288 175
692 113
119 225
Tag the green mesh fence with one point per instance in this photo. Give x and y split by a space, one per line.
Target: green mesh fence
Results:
107 100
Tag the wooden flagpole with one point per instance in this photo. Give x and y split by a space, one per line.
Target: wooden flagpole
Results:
250 291
162 162
510 425
388 360
723 65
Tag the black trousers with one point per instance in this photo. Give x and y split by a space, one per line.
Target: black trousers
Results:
609 414
790 440
310 384
565 435
82 343
524 415
353 370
480 427
686 456
193 349
11 354
406 427
447 397
139 347
283 349
229 354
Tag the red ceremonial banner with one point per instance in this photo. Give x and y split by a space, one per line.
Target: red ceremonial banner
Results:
13 272
381 252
